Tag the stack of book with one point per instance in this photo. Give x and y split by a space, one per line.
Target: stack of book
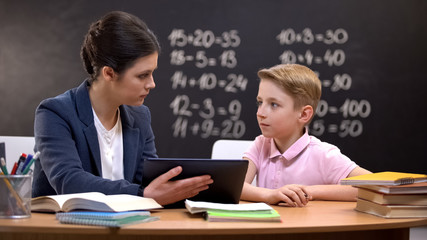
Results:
391 194
220 212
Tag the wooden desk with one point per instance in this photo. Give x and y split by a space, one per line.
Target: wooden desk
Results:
318 220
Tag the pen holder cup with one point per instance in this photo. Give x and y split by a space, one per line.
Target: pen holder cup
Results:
15 196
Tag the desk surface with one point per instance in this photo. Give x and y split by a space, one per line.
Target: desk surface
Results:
316 217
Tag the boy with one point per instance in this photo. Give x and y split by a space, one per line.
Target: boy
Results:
293 167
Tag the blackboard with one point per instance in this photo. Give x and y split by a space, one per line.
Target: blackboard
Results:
370 56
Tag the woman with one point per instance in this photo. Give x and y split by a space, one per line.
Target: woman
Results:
95 137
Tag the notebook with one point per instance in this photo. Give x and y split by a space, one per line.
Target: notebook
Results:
385 178
106 219
228 176
220 212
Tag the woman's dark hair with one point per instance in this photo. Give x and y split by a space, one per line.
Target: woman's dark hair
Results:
116 41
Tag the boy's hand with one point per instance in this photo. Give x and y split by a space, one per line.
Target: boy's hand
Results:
292 195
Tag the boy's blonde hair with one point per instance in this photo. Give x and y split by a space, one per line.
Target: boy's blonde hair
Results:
299 81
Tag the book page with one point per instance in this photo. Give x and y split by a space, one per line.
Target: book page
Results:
61 199
126 202
96 201
56 202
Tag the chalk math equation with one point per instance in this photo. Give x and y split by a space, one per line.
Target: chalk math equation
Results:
207 117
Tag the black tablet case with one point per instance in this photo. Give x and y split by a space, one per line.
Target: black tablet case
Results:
228 176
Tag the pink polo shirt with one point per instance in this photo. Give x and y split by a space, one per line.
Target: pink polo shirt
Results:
308 162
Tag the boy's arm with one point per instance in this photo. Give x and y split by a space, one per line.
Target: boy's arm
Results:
293 195
250 174
332 192
336 192
250 192
358 171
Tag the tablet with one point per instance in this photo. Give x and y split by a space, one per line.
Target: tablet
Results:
228 175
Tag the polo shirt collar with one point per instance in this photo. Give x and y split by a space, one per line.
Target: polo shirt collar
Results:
294 150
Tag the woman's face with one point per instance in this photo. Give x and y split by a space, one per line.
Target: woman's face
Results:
134 84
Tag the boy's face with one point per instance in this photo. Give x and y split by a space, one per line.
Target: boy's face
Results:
276 115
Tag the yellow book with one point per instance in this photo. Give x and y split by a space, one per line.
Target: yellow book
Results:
385 178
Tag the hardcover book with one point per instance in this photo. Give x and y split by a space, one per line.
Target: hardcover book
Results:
391 211
381 198
415 188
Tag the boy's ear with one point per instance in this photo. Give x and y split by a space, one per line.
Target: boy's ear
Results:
108 73
306 113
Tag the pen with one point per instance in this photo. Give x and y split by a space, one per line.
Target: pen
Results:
27 168
29 157
21 161
3 166
15 167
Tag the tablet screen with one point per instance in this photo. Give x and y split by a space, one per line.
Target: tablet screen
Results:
228 175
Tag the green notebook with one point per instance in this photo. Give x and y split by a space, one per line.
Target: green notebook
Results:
215 215
222 212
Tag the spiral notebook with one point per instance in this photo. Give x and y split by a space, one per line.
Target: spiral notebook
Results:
385 178
106 219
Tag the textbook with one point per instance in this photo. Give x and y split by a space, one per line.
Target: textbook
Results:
92 201
382 198
385 178
415 188
391 211
222 212
106 219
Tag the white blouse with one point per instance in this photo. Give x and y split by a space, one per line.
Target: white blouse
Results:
111 148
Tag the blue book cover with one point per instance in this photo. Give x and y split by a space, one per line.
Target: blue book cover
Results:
101 215
106 219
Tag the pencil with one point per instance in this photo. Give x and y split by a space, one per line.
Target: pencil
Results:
14 193
3 166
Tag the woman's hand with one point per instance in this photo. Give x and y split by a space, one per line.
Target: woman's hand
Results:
166 192
292 195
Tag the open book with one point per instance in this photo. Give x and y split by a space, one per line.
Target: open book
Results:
92 201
